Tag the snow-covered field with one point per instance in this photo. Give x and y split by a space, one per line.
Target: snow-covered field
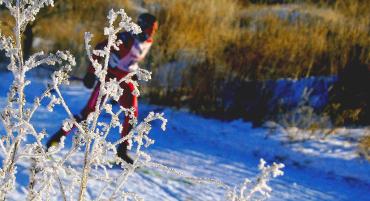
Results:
322 169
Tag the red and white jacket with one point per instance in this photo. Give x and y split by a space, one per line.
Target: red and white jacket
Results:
126 59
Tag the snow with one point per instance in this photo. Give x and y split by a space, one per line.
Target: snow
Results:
317 169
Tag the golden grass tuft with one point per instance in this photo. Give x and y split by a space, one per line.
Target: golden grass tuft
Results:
364 145
195 30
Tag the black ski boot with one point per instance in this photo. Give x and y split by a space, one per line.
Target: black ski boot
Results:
122 153
55 139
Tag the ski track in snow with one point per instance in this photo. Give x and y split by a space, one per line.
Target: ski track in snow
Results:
207 148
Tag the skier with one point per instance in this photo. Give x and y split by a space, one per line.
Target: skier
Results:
132 50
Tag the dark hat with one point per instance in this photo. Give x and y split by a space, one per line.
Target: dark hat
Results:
146 20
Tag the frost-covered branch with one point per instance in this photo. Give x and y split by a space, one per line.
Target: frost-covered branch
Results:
257 189
52 172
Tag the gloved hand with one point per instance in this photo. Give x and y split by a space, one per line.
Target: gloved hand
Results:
89 80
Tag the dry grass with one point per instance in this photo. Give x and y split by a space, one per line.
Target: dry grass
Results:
296 41
225 41
195 30
364 145
252 41
261 41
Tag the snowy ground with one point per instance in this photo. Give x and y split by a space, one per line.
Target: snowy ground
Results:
327 169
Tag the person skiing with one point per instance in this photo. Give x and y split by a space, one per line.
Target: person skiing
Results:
133 49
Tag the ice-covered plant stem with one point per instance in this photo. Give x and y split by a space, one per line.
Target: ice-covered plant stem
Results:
257 189
111 32
54 172
14 115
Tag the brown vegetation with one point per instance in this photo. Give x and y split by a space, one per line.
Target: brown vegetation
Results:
364 145
228 41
